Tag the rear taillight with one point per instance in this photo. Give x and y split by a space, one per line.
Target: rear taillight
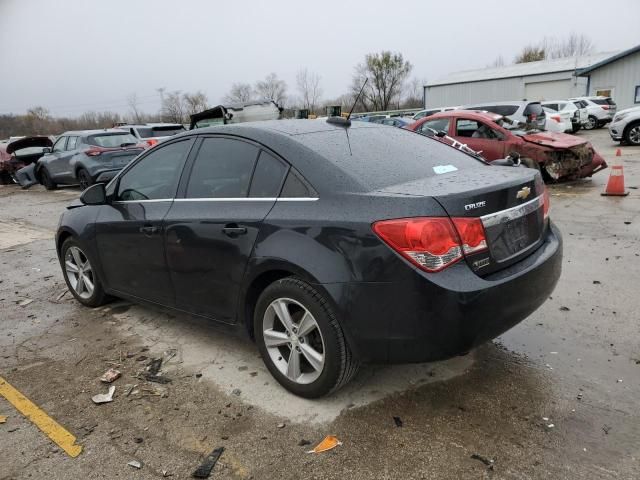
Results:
151 142
94 151
432 243
546 202
605 107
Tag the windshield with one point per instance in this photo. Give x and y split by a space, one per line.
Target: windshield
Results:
110 140
164 131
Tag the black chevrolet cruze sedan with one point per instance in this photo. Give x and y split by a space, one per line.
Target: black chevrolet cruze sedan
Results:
330 245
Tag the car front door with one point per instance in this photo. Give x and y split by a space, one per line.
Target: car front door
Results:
55 159
211 231
481 137
129 233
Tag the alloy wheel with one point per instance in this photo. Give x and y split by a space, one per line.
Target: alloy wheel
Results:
591 123
293 340
79 272
634 135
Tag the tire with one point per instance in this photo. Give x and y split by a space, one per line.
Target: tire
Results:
313 377
72 253
84 179
592 123
45 179
631 134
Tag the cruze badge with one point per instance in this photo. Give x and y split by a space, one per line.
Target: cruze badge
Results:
523 193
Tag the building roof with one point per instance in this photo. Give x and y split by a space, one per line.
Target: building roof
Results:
524 69
609 60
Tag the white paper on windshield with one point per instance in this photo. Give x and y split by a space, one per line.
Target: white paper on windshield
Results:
440 169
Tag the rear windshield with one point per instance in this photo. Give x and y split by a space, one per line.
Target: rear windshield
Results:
112 139
381 157
603 101
165 131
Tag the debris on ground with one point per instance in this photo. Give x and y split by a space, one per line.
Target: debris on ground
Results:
152 372
25 302
104 397
489 462
61 294
204 470
606 428
398 421
597 282
236 392
329 442
564 309
3 419
303 443
281 425
135 464
138 439
110 375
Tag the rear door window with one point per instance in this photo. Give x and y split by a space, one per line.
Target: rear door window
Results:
267 177
222 169
71 143
155 176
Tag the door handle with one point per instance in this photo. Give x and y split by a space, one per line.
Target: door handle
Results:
149 230
234 230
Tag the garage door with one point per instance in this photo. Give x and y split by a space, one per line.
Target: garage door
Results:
554 90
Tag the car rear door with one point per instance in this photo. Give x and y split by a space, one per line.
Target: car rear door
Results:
481 137
129 233
210 232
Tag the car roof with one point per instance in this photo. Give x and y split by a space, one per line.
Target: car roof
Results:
513 102
472 114
93 132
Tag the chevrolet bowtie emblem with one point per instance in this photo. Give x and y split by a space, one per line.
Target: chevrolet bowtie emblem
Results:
523 193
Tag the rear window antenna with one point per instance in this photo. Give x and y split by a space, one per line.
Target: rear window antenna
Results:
346 122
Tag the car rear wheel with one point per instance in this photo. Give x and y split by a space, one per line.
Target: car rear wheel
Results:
80 275
300 339
45 179
592 122
84 179
632 134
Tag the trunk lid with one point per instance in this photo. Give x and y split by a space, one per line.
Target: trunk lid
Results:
508 200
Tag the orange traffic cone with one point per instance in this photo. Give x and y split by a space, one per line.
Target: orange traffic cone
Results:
615 185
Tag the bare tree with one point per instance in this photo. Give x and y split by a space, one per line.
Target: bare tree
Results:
498 62
134 105
195 102
414 92
239 93
574 45
309 88
531 53
272 88
386 72
173 107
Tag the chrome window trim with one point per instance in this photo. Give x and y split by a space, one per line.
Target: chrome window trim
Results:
153 200
512 213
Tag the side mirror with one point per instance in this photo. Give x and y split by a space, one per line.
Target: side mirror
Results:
94 195
47 150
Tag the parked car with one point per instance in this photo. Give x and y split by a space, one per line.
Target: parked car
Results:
370 118
567 109
559 122
557 155
625 127
152 133
18 153
83 157
600 111
430 111
399 122
237 113
518 111
317 246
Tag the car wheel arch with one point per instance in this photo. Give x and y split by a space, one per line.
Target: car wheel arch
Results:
627 129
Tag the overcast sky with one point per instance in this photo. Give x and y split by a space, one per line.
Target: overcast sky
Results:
76 55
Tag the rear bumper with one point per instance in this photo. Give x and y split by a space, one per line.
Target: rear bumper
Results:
426 317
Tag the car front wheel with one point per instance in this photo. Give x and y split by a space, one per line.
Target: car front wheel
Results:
46 180
592 122
300 339
80 275
632 134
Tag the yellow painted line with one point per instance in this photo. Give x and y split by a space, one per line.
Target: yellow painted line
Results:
40 419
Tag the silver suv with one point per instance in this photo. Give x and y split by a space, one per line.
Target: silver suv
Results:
625 126
519 110
600 110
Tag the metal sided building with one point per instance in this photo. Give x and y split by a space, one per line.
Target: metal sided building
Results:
543 80
618 77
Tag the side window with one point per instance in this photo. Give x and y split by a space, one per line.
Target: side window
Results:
60 144
473 129
71 143
222 169
440 124
296 187
156 176
552 106
268 176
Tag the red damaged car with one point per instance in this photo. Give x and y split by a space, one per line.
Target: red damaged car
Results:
558 155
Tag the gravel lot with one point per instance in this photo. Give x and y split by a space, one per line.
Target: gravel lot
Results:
555 397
